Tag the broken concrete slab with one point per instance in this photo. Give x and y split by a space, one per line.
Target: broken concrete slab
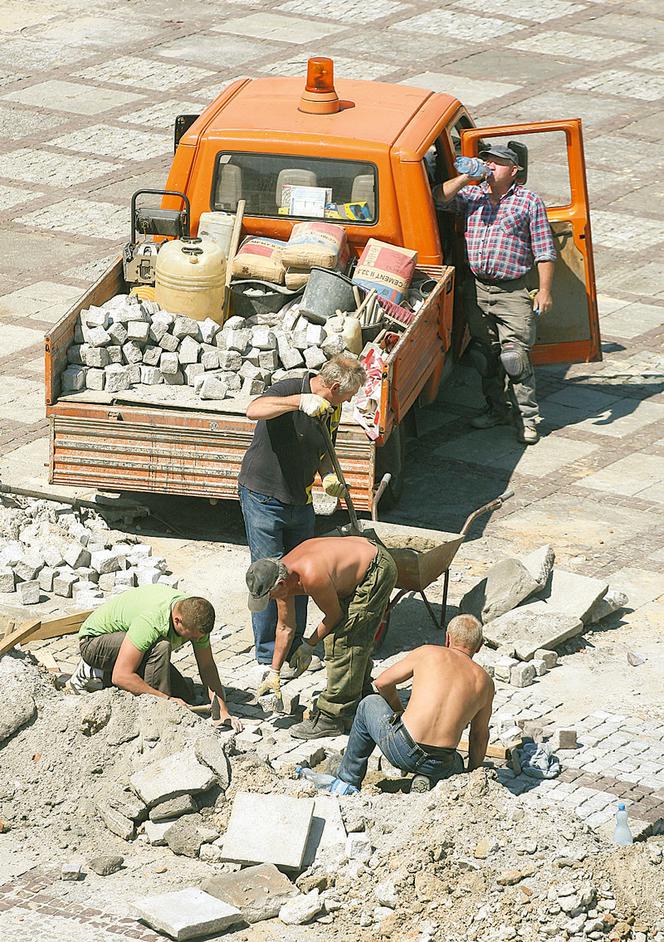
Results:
268 829
506 585
177 774
258 892
121 799
186 914
156 832
529 628
173 808
105 865
568 593
539 564
612 602
301 909
116 822
17 708
71 871
327 837
186 835
210 751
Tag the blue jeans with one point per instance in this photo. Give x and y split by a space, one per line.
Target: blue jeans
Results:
273 529
376 723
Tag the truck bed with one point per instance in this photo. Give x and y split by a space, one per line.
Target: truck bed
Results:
132 441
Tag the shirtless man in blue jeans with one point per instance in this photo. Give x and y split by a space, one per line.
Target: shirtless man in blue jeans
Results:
449 691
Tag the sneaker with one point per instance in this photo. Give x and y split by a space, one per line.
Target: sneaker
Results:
318 726
338 787
528 435
489 419
85 679
420 783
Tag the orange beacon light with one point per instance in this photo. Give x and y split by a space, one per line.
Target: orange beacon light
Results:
319 96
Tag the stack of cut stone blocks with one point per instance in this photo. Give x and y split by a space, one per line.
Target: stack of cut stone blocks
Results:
127 343
79 563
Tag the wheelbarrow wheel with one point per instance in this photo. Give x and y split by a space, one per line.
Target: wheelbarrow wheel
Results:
391 459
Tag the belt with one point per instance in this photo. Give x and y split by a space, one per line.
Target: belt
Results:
441 753
497 282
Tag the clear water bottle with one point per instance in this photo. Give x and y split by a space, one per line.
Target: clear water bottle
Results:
473 166
622 836
325 782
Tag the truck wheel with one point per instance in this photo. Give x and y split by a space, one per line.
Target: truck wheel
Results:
392 457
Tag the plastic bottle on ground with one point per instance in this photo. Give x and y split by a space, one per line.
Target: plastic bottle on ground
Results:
325 782
622 836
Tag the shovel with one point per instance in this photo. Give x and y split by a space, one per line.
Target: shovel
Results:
355 527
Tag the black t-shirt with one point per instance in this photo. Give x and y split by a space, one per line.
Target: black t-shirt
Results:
286 452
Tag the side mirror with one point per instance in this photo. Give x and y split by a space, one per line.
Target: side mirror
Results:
182 124
522 153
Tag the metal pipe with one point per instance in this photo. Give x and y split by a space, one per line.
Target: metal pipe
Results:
354 522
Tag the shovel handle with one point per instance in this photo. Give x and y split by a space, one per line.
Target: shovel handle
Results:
354 522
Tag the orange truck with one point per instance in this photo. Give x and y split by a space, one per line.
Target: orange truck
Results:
385 146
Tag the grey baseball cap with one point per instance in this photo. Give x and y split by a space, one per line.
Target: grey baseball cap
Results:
501 150
262 576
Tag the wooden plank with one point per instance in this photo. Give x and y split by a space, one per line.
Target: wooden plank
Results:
56 627
493 751
19 635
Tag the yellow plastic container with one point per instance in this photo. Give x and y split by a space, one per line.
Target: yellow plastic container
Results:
191 277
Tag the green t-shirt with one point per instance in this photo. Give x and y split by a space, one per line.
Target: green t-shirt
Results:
144 613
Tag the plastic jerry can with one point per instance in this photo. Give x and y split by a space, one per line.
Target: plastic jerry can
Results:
217 226
191 278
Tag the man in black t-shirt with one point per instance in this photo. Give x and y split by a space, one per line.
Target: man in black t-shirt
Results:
279 467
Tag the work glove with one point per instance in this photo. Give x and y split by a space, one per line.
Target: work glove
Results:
301 658
270 685
332 485
314 406
473 166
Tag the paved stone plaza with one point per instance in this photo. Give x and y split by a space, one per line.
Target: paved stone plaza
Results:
88 95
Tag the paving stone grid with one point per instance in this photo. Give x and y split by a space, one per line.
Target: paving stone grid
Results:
87 100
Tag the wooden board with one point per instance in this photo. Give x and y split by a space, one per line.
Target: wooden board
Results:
492 751
18 635
43 630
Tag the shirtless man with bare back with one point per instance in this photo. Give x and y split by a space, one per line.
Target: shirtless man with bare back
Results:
449 691
350 579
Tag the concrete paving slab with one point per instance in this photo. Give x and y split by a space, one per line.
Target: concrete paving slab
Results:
258 892
622 418
529 630
640 585
587 48
569 593
458 24
498 448
628 476
472 91
268 829
161 114
234 52
625 82
72 96
582 398
81 217
50 169
633 320
14 196
119 143
537 14
177 774
344 11
17 122
278 27
141 72
186 914
327 838
13 339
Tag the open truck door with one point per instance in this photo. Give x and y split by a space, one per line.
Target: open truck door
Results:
569 333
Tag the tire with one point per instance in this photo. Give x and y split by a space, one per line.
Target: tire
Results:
392 458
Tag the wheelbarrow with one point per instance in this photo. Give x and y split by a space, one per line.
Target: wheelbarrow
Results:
421 556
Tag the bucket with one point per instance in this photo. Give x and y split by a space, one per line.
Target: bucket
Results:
245 300
325 293
217 226
191 278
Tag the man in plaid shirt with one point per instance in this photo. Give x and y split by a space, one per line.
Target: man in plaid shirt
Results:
507 234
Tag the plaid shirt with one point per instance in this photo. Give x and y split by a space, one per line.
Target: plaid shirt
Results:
506 240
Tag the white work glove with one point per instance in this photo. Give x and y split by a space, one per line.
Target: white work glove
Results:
332 485
301 659
271 684
314 406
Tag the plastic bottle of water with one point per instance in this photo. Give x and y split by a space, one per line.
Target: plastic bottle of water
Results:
325 782
622 834
473 166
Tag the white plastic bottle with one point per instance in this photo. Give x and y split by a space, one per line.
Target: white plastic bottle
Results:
622 834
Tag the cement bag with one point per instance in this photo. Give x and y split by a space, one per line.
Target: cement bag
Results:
260 258
297 277
316 244
388 269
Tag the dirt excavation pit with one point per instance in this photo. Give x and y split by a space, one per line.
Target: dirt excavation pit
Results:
468 860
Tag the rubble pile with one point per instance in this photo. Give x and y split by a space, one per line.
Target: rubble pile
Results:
48 549
111 775
127 343
528 607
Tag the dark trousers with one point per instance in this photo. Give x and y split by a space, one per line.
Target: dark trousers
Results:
101 651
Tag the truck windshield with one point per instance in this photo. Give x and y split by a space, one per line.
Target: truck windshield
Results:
296 187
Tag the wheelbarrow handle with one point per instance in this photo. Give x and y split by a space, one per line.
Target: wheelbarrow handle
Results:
380 490
486 509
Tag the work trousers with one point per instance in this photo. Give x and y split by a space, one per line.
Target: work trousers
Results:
101 651
497 314
376 724
349 647
274 529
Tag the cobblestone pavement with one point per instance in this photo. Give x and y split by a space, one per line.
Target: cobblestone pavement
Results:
88 94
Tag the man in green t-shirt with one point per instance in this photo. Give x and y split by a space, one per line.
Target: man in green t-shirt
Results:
131 637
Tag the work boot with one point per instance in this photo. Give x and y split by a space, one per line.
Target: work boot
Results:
528 435
420 783
490 418
318 726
